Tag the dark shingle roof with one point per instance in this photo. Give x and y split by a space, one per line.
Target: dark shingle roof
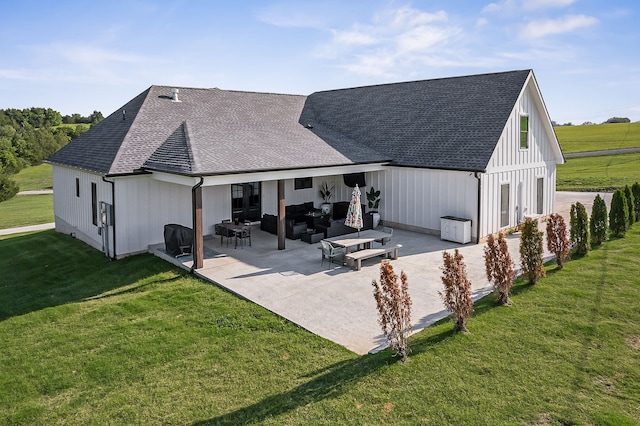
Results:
210 131
451 123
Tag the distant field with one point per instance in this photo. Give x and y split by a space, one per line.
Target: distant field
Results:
73 126
603 173
34 178
598 136
23 210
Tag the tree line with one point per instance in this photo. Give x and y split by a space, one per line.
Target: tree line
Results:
612 120
30 135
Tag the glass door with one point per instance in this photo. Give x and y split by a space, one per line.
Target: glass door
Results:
245 201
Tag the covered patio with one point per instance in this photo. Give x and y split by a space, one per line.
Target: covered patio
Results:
335 302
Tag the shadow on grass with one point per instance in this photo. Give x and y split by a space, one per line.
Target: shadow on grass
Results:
332 382
47 269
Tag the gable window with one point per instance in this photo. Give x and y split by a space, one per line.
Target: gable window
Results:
94 203
78 187
539 195
303 183
504 205
524 132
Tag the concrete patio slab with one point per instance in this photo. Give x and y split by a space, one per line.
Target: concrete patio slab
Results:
336 302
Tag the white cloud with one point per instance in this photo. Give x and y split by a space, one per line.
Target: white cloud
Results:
544 4
392 39
507 6
542 28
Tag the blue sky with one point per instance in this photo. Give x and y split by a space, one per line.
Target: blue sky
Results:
77 57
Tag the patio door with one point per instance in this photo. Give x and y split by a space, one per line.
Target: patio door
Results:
245 201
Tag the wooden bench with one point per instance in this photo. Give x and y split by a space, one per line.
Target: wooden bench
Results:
358 256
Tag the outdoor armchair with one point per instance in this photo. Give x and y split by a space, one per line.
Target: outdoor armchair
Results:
332 253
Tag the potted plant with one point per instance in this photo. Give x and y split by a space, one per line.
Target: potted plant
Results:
373 201
326 192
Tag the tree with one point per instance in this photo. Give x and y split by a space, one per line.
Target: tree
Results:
499 267
614 120
394 308
457 289
8 187
557 241
579 222
635 190
598 222
619 214
532 251
631 205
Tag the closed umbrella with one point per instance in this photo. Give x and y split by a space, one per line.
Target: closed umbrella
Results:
354 214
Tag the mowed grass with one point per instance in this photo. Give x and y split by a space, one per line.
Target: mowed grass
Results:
598 137
136 341
602 173
23 210
34 178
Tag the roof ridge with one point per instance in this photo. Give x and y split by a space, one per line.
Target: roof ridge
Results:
425 80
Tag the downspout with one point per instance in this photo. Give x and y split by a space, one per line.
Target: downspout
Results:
113 214
196 244
477 176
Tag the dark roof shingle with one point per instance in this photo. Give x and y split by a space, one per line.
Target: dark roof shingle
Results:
450 123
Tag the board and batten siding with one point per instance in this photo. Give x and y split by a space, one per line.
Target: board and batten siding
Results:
520 167
73 212
144 205
416 199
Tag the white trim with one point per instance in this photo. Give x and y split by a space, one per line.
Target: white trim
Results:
266 176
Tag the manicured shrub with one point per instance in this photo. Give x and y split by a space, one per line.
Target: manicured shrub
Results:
499 267
532 251
631 205
394 308
457 289
635 190
579 222
619 214
557 240
598 223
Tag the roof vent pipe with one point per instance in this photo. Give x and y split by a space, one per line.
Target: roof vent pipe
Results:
175 95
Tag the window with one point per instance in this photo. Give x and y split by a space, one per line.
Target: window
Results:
303 183
504 205
539 195
78 187
94 203
524 132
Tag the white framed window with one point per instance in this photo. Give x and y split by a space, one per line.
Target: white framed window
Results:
504 205
540 195
524 131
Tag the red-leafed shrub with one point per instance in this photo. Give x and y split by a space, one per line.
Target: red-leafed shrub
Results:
457 289
394 308
499 266
557 240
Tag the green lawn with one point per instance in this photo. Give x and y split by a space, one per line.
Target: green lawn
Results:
598 136
34 178
136 341
603 173
23 210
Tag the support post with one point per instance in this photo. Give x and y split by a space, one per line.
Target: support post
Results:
198 240
281 215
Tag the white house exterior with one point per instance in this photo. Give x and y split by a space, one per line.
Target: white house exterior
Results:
430 149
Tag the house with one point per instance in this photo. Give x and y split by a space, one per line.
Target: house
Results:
478 147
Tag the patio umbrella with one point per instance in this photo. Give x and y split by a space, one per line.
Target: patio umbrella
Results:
354 214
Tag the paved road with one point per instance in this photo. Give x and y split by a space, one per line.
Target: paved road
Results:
602 152
23 229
